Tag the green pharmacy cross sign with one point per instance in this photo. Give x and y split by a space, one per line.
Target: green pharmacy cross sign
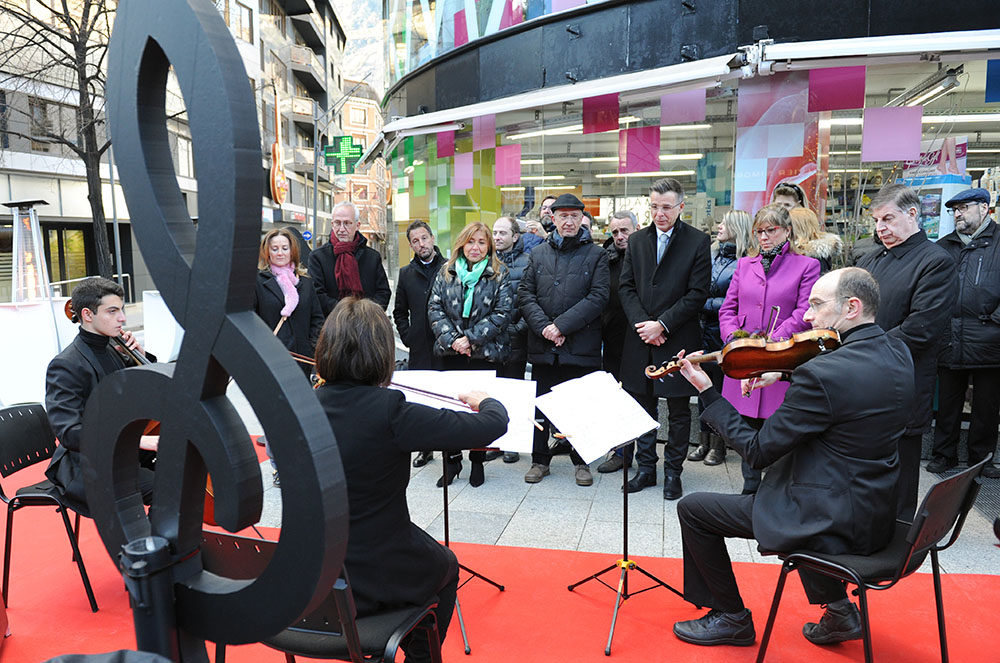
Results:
343 154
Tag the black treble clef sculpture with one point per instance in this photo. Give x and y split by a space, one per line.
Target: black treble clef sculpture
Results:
206 276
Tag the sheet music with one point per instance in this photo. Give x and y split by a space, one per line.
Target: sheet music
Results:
570 406
518 396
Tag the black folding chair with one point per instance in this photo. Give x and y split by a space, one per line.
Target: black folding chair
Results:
943 510
333 631
26 438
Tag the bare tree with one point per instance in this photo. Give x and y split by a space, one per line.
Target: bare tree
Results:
62 45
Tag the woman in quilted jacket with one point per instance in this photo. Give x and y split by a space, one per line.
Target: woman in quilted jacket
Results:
470 308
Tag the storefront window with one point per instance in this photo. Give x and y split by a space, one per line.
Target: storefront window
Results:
729 152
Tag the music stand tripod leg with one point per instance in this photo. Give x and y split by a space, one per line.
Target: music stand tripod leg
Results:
461 625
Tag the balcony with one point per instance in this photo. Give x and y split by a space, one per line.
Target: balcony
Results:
310 29
302 162
307 68
302 112
297 7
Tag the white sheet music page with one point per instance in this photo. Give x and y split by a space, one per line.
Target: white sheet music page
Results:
579 409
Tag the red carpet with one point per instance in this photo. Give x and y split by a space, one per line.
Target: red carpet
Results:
536 619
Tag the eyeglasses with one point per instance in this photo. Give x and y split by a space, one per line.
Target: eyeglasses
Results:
770 232
663 208
815 306
963 208
337 223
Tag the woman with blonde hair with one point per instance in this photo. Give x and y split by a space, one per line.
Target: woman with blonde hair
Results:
732 242
469 310
813 242
285 296
773 274
391 562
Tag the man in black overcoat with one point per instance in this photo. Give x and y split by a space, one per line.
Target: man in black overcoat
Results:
413 289
347 243
73 375
973 348
832 452
918 285
664 284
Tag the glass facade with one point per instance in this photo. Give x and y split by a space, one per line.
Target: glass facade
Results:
420 30
729 145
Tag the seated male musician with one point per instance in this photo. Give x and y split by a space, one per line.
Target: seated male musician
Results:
832 452
72 376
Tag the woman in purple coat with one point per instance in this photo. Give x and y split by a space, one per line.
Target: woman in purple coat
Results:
772 274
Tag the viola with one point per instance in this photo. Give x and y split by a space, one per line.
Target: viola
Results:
746 358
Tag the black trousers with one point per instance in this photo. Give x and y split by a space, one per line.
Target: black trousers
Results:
547 376
415 645
512 369
909 476
678 433
952 385
751 477
707 520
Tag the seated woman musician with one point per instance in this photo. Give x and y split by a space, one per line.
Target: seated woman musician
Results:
390 561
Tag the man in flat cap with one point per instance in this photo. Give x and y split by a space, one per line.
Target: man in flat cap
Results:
973 344
561 295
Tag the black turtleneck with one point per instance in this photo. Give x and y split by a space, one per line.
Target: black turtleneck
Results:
99 344
845 334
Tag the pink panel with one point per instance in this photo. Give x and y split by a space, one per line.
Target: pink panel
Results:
600 113
838 88
680 107
484 132
445 144
461 29
463 176
508 170
639 150
891 134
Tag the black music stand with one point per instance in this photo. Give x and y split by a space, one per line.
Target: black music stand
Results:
626 565
463 567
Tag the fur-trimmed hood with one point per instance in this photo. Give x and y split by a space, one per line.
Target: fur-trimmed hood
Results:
827 246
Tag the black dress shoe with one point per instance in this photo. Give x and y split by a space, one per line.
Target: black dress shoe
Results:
451 470
641 480
511 457
718 628
422 458
672 487
941 464
990 471
492 454
834 626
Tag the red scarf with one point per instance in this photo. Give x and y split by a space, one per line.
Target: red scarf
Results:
346 269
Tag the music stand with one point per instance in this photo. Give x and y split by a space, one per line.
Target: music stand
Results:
626 565
447 544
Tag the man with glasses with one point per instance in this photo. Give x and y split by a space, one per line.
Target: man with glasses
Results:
973 351
664 285
562 292
831 450
918 286
346 266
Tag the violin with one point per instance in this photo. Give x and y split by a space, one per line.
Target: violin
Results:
746 358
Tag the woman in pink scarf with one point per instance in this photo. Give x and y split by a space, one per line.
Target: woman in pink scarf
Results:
284 292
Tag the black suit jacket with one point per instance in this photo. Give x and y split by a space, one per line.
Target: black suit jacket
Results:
374 282
300 331
413 289
831 448
71 377
673 292
392 562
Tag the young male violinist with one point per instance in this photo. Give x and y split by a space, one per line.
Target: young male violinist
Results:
832 452
72 376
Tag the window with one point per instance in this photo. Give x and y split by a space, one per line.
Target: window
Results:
185 164
278 71
238 17
360 192
4 111
359 116
273 14
40 124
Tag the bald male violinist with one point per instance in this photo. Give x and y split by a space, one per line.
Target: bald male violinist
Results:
831 450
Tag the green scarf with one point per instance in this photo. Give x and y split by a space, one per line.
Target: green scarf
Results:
469 279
